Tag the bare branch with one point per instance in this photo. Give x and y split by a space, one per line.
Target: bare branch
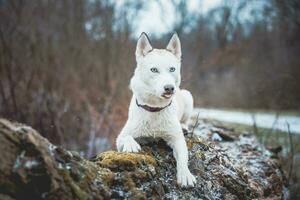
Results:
291 152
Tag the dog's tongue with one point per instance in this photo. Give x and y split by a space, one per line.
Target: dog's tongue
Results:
167 94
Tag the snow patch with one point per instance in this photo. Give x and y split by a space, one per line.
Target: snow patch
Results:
262 120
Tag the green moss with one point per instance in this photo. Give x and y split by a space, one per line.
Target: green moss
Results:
200 155
200 141
189 143
123 161
130 186
106 175
80 176
131 166
128 182
93 171
76 190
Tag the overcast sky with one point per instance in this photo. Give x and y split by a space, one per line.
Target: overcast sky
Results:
156 21
152 22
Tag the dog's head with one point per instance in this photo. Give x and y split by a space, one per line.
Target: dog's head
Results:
157 74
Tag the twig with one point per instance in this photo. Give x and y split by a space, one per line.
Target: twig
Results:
291 151
8 69
255 130
274 123
4 101
196 123
97 125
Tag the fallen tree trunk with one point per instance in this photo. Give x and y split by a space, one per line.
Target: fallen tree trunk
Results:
234 168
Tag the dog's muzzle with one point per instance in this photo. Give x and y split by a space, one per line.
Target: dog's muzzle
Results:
169 91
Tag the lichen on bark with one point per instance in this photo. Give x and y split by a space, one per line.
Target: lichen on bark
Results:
237 167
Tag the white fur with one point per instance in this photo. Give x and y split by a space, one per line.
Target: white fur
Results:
148 88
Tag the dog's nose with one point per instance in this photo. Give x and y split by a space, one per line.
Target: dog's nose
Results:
169 88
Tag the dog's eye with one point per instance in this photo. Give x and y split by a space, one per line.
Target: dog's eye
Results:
172 69
154 70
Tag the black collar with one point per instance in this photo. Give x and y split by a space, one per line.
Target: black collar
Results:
151 109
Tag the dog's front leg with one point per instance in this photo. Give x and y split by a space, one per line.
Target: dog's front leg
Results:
125 141
180 152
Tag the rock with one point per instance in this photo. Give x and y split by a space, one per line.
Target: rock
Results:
239 168
216 137
275 150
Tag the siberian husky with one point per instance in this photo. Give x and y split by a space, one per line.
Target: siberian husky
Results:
159 108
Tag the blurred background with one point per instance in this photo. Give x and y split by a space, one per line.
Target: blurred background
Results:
65 65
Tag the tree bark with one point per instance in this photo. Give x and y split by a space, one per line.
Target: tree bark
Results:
239 168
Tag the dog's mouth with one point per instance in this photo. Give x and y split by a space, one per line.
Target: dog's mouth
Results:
167 95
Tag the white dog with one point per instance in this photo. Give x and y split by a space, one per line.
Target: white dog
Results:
158 107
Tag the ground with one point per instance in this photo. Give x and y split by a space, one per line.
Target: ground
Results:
227 164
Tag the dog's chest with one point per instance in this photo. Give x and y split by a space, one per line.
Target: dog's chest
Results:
155 124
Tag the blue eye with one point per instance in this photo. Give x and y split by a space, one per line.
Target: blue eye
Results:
172 69
154 70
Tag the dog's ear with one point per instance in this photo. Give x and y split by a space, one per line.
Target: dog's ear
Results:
143 46
174 46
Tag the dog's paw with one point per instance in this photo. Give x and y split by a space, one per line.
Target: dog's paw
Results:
185 178
130 145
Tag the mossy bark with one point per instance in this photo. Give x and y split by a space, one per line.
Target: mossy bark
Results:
33 168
